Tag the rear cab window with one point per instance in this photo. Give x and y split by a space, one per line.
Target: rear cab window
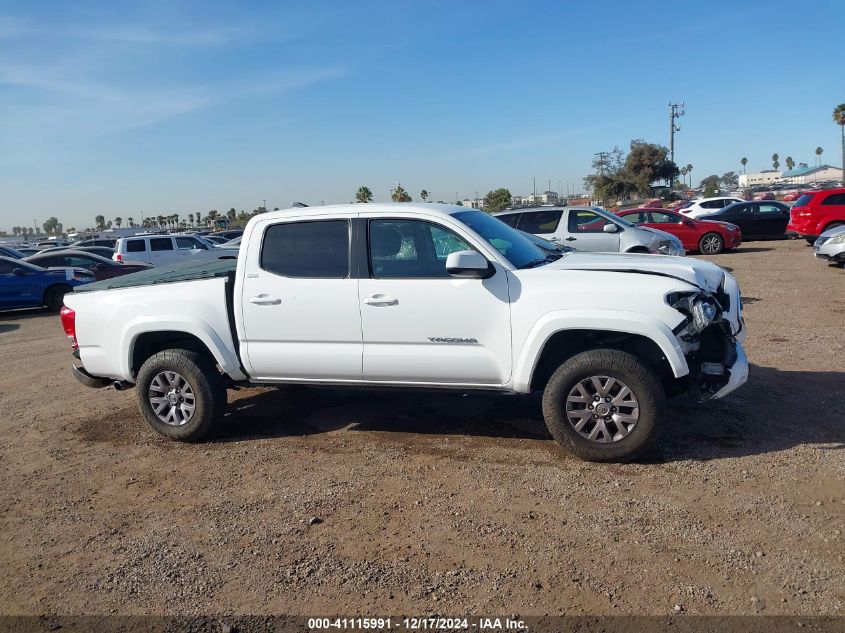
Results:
540 221
317 249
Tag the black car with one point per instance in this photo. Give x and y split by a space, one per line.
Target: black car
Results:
755 218
95 241
102 251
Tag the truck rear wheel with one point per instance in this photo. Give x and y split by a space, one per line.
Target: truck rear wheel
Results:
181 394
604 405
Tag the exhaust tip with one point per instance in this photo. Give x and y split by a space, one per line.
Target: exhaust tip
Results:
122 385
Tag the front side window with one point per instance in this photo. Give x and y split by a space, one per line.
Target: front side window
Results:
135 246
313 250
539 221
658 217
411 249
161 244
189 244
582 221
768 208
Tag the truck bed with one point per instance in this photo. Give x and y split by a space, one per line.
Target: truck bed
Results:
181 271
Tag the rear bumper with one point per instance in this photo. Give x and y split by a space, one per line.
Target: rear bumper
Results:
94 382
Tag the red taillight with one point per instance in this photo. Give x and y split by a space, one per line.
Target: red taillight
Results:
118 258
68 317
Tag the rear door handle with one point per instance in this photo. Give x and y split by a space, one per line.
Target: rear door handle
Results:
380 300
265 300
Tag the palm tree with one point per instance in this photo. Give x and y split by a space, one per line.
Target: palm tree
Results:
100 222
212 216
118 221
839 119
744 162
789 163
399 194
131 222
424 195
689 171
683 171
775 161
819 152
160 221
364 194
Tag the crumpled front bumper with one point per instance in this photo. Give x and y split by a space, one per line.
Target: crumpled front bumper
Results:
738 372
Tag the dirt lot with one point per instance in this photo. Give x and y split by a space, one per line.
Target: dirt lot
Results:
330 501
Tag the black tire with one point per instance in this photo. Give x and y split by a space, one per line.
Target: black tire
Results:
54 297
717 244
206 384
623 367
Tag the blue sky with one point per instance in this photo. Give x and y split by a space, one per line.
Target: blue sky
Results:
167 107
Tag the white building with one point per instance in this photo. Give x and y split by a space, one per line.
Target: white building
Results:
809 175
765 177
477 203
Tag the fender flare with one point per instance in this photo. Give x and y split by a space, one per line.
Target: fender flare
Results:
603 320
222 351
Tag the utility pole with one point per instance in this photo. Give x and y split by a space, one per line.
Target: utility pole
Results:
675 111
602 160
535 188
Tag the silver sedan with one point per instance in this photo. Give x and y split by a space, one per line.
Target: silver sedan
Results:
830 246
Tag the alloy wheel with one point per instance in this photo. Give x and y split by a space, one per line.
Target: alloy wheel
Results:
172 398
602 409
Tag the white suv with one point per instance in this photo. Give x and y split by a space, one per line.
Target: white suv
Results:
159 250
703 206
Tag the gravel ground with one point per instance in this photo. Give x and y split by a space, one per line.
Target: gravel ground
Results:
340 501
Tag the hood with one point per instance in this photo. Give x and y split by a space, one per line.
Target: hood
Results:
700 273
663 235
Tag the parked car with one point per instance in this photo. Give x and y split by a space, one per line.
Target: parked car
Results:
830 246
234 243
230 234
817 212
27 250
216 240
703 206
160 250
764 195
8 251
389 296
704 236
98 241
591 229
756 219
52 243
101 267
24 285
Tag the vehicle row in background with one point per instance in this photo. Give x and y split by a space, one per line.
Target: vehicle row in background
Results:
705 236
25 285
817 212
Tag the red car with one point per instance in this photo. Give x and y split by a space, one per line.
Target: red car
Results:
816 212
706 236
101 267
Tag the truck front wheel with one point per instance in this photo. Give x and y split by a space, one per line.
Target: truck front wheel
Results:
604 405
181 394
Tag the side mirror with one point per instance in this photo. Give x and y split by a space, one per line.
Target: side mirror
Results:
468 265
610 227
20 272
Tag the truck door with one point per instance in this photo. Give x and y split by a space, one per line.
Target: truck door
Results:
421 325
300 317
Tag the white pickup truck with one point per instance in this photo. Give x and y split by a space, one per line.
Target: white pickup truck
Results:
417 295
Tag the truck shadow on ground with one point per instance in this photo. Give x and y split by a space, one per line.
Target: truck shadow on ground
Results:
8 327
775 411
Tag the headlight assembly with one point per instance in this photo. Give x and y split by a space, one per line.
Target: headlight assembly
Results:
703 313
839 238
700 311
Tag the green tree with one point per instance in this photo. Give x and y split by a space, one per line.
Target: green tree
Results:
160 221
118 221
689 171
775 161
212 216
710 185
839 119
424 195
819 152
131 222
100 222
459 203
789 163
683 171
648 163
51 226
399 194
744 162
231 214
497 200
364 194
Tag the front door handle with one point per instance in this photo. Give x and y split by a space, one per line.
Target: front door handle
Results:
265 300
571 239
380 300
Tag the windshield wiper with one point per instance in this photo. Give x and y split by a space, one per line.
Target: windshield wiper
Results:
540 262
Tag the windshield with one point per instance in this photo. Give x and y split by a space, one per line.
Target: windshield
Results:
514 246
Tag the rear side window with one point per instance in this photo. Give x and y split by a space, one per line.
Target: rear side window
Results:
510 219
161 244
658 217
835 198
135 246
804 200
581 221
315 250
638 217
539 222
